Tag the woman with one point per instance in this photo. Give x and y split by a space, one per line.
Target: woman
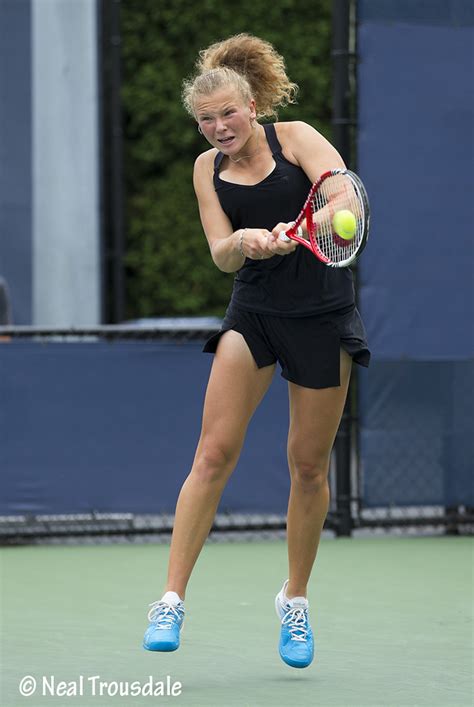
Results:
286 306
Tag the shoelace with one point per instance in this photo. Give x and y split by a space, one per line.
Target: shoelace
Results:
297 622
164 615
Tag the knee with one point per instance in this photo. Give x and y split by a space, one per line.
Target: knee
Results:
310 472
213 463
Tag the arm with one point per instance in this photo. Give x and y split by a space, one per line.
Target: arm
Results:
223 242
310 150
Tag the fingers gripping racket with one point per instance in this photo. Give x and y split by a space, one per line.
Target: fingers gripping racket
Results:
336 216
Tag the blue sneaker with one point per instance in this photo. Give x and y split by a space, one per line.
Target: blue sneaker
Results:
296 637
166 619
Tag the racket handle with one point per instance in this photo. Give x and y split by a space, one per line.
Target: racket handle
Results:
284 237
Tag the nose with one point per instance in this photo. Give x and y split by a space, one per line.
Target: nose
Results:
220 125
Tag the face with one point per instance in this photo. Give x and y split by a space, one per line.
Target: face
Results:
225 120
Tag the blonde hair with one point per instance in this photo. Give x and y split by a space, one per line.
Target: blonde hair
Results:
251 65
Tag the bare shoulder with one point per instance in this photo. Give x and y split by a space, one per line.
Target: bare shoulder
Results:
296 132
305 146
205 159
204 167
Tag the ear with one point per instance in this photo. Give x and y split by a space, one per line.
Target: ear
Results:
253 109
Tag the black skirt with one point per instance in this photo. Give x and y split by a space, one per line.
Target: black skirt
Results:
307 348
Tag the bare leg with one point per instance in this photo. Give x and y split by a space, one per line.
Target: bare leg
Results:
236 386
314 419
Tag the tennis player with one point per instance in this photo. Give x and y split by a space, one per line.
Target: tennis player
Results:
286 307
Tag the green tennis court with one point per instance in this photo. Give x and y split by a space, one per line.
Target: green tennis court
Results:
393 622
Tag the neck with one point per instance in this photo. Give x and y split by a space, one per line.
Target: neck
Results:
249 151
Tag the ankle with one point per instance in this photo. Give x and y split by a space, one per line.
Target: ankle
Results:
293 591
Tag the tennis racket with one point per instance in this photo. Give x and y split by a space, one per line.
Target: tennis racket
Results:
336 193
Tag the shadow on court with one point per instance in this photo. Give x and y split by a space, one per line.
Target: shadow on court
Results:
392 618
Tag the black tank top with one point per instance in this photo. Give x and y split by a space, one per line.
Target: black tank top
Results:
292 285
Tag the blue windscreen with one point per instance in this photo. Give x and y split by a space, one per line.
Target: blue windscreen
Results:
113 427
416 283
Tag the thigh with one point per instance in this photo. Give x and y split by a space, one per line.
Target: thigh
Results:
315 415
236 387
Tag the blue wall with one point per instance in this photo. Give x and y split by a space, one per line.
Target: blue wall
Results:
112 427
16 155
415 154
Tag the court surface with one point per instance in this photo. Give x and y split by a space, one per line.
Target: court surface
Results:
392 617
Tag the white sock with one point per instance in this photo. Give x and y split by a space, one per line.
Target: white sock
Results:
171 598
294 601
297 601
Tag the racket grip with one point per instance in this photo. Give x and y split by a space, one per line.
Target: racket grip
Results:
284 237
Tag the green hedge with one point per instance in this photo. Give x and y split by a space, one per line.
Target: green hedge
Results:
169 270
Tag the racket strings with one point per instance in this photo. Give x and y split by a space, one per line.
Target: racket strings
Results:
336 193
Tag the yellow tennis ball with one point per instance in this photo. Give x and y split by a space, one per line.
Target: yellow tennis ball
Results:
345 224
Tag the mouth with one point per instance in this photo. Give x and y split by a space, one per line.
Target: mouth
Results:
226 141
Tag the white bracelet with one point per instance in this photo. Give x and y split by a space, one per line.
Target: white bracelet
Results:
241 243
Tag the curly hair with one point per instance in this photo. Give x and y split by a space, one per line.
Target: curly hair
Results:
250 64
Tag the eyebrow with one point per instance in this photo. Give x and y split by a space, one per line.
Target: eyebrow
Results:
225 107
